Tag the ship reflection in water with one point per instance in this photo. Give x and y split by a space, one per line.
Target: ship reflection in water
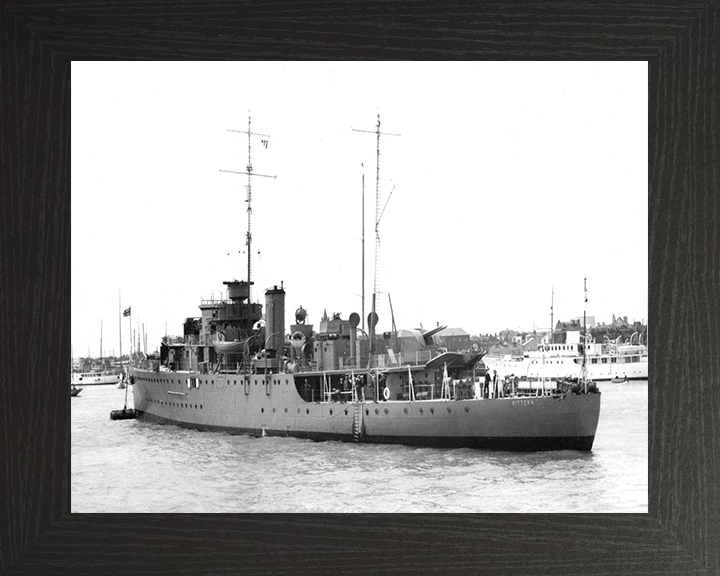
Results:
214 472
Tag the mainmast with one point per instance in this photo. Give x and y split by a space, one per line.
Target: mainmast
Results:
250 174
372 317
362 315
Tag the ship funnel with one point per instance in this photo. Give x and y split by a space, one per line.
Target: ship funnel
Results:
275 319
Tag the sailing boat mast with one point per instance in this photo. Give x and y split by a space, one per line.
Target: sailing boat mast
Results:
120 329
101 342
552 324
250 174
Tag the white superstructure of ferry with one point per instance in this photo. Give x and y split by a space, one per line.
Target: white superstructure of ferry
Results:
606 361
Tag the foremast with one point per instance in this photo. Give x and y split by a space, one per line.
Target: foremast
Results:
249 172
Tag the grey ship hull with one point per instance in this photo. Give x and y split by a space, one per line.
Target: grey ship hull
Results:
260 405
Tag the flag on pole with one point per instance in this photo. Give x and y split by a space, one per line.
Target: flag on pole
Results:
126 312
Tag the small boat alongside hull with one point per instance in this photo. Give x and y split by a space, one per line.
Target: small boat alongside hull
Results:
75 391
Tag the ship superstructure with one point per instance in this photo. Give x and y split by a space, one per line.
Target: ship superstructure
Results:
605 361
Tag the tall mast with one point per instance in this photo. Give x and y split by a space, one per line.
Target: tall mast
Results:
101 341
552 321
372 319
249 205
584 364
250 174
362 315
120 326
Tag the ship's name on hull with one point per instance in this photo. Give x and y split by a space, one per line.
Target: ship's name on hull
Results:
523 402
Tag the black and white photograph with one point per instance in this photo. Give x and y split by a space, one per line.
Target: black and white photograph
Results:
359 287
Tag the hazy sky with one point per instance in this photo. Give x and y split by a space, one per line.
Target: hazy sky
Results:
507 179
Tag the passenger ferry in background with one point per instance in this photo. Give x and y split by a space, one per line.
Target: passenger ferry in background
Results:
610 360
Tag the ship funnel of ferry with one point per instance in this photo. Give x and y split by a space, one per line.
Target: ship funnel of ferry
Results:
275 316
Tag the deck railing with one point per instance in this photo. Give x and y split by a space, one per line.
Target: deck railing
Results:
376 361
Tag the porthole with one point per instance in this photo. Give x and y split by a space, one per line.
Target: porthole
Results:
405 410
307 411
345 412
367 412
449 410
422 411
285 410
432 410
386 411
467 409
377 411
331 412
273 410
262 410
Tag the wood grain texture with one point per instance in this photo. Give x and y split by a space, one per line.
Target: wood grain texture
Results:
681 533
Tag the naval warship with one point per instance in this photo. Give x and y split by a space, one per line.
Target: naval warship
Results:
236 370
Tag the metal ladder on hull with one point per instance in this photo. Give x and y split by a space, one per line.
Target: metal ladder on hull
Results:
357 426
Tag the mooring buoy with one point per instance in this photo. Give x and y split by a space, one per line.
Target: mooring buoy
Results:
124 414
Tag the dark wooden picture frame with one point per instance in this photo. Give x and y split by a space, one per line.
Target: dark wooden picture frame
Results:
679 535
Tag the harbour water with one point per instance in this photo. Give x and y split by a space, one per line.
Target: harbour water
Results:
132 466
